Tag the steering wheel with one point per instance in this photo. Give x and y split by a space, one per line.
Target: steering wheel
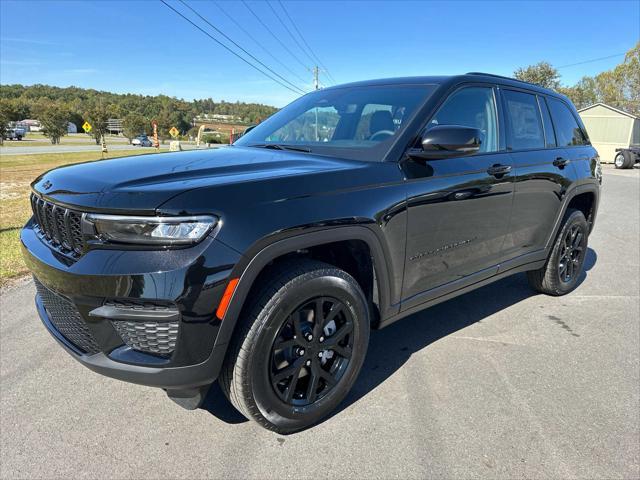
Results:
387 133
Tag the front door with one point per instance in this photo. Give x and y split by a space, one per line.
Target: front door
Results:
458 208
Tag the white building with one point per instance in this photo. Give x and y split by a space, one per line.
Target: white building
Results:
610 128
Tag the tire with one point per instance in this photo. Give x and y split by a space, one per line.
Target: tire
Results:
624 160
278 335
560 275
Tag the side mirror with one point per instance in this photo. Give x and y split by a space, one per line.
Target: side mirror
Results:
447 141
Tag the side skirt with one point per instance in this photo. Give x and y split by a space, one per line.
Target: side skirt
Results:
531 261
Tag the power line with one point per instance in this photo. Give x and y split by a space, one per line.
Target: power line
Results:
266 50
231 51
296 41
592 60
275 36
326 70
240 47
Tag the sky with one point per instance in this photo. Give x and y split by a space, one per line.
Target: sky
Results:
144 47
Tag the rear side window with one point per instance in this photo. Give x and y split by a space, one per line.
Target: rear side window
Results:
524 121
548 125
568 132
472 107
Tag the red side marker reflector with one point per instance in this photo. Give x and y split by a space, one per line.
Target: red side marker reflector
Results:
226 298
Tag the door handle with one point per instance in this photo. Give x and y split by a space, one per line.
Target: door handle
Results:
561 162
499 170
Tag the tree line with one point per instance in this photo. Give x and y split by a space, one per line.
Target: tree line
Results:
55 106
618 87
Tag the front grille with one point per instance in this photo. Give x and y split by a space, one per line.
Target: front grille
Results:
67 320
59 226
158 338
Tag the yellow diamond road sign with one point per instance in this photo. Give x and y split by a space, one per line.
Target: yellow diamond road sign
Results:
86 127
174 132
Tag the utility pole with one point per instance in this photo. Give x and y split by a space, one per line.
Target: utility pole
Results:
316 84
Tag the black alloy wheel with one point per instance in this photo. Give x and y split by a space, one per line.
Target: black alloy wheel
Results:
564 266
571 254
312 351
300 345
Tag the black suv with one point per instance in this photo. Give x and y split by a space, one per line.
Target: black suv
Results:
265 264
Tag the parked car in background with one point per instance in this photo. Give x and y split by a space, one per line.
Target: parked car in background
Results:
264 265
141 141
16 133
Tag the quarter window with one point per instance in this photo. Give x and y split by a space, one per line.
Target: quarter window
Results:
568 132
472 107
525 123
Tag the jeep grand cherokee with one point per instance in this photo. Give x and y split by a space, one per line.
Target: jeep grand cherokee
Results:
265 264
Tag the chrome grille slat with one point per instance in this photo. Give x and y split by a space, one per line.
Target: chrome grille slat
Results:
59 226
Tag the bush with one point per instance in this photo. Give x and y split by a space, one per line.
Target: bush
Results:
219 138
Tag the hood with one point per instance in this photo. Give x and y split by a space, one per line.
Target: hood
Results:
142 183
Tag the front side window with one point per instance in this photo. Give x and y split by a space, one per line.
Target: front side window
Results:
568 132
525 124
472 107
359 122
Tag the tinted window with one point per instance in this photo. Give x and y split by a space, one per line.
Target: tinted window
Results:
472 107
568 131
352 122
525 124
548 125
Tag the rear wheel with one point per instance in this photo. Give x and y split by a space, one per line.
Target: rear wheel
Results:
563 268
624 160
300 347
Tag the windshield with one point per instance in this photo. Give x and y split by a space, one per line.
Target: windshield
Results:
352 122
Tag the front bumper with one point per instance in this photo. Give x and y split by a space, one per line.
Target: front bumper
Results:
191 281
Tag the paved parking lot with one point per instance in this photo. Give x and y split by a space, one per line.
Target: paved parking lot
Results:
499 383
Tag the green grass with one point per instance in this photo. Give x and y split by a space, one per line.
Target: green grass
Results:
16 174
37 139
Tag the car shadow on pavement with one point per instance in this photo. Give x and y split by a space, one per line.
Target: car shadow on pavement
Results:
217 404
391 347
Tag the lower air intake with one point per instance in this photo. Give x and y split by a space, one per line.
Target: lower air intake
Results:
66 319
158 338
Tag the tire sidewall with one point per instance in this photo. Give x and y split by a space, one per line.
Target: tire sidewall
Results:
575 218
288 299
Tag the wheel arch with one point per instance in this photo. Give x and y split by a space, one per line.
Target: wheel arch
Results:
250 269
583 197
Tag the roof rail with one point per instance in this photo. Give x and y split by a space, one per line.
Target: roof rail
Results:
501 76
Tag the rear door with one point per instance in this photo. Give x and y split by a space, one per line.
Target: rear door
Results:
458 208
572 137
543 174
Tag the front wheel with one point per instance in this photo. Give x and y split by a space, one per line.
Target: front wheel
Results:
563 268
299 348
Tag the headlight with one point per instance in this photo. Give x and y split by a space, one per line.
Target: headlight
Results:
152 230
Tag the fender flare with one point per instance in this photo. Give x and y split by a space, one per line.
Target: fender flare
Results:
258 262
571 194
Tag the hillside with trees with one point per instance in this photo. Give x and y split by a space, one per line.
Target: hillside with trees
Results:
55 106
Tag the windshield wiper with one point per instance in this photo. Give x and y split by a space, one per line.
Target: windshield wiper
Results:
280 146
